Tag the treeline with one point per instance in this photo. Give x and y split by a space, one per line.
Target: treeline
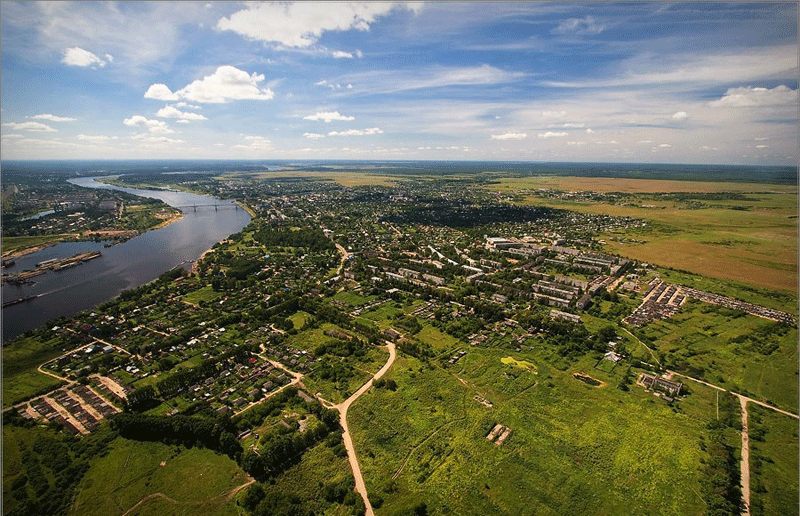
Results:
313 240
436 212
720 473
186 430
51 467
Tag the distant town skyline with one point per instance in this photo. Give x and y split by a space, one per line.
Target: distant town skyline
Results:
582 82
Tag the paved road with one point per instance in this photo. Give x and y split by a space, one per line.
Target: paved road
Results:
348 441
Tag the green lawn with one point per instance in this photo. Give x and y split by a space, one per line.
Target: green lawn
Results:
198 481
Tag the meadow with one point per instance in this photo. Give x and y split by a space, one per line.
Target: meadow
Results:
773 462
740 352
20 377
191 481
601 450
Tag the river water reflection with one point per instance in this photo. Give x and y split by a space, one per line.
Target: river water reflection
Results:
123 266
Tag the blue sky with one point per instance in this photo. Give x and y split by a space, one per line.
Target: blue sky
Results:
630 82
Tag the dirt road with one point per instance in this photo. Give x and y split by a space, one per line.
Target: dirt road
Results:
345 256
745 459
348 441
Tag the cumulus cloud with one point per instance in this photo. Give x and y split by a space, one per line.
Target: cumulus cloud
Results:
680 115
551 134
76 56
576 143
226 83
762 146
665 146
30 126
52 118
757 97
313 136
509 136
579 26
173 112
301 24
154 126
328 116
357 132
341 54
589 130
160 92
187 105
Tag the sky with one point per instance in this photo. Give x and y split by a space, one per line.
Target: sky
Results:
576 82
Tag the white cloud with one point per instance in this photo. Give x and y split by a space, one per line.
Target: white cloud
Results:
644 141
187 105
172 112
182 121
30 126
576 143
76 56
569 125
52 118
757 97
392 81
313 136
554 114
579 26
665 146
146 138
357 132
341 54
328 116
160 92
13 136
550 134
589 130
762 146
256 143
95 138
509 136
680 115
301 24
226 83
678 69
154 126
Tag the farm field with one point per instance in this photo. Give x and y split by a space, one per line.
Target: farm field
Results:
752 241
589 443
190 481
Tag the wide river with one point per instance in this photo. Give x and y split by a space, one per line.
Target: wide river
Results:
123 266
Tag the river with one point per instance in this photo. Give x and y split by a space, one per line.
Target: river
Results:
123 266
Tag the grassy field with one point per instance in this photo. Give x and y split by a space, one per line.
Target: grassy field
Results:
573 448
20 360
773 462
204 294
14 244
191 481
728 348
749 241
299 319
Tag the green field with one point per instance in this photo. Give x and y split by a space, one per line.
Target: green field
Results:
740 352
773 462
601 450
191 481
204 294
20 360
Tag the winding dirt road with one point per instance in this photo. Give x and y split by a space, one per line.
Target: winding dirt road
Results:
348 441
